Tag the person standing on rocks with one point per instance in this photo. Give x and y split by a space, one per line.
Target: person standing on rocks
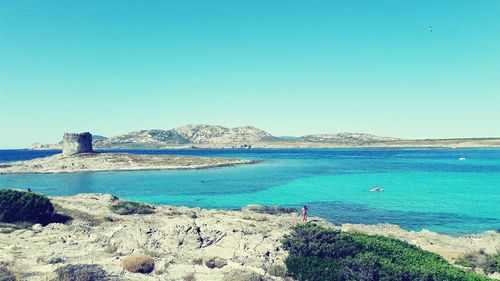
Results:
304 214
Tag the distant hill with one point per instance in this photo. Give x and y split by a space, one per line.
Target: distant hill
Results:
94 138
189 134
156 136
205 134
215 136
345 137
286 138
98 138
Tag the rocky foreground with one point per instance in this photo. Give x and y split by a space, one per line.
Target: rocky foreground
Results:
185 243
95 162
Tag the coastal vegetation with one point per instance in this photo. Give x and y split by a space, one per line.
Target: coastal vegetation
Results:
242 275
81 272
27 208
319 253
480 260
138 263
130 208
6 274
277 270
270 210
189 277
20 206
93 220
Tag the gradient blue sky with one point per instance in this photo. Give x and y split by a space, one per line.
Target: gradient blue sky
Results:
288 67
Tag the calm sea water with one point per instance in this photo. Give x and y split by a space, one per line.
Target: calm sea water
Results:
423 188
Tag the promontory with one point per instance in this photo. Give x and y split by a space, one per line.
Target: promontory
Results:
78 156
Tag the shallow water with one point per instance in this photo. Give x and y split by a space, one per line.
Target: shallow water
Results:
423 188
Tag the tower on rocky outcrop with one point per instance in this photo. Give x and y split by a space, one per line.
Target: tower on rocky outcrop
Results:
77 143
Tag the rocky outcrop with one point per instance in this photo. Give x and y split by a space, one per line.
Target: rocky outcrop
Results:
209 244
96 162
204 244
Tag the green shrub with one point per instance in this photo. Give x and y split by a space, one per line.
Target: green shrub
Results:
277 270
488 263
270 210
130 208
81 272
493 264
465 263
318 253
242 275
20 206
55 260
93 220
6 274
197 261
189 277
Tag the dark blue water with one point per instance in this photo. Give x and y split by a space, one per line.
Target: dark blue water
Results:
423 188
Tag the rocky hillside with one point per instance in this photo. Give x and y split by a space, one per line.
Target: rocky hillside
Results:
189 134
203 134
144 137
345 137
185 136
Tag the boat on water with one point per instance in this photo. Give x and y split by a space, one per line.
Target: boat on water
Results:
461 158
376 189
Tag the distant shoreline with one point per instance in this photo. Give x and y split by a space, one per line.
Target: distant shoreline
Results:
202 136
271 145
115 162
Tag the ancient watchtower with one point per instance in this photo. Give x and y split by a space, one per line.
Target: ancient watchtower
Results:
77 143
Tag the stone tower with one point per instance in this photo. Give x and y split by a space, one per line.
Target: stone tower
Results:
77 143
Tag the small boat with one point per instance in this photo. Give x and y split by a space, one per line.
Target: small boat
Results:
376 189
461 158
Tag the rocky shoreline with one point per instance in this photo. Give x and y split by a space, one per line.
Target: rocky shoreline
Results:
98 162
399 144
182 242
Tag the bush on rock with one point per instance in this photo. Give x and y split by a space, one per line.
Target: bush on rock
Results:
319 253
6 274
130 208
81 272
138 263
243 275
277 270
19 206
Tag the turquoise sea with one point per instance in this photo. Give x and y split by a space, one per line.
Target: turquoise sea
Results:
423 188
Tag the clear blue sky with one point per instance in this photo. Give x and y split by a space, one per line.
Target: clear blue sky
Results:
288 67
